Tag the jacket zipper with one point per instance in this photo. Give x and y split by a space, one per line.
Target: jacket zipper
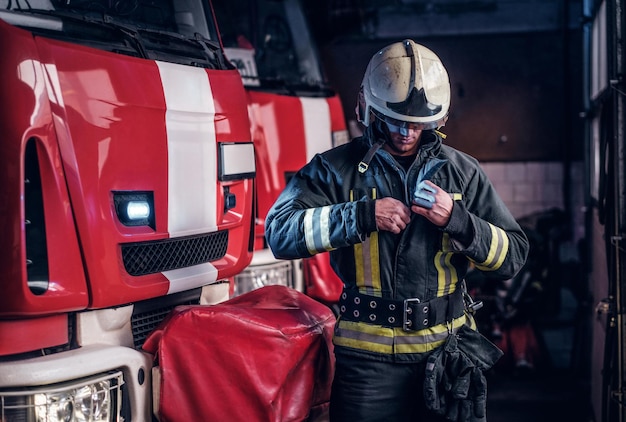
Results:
404 177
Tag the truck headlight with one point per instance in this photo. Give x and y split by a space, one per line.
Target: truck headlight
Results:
91 400
134 208
137 210
264 275
254 277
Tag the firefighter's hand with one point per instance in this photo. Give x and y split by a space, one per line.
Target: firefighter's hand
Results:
441 209
391 215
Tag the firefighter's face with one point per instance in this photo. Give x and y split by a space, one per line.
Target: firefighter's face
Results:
404 140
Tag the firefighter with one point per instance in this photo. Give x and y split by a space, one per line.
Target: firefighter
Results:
402 215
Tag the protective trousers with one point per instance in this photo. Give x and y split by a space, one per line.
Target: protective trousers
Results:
372 391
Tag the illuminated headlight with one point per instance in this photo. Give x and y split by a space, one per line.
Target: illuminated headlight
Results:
236 161
135 208
93 400
254 277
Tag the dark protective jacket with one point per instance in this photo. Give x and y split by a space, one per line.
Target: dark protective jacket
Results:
328 206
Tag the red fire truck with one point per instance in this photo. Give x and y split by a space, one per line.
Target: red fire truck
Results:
126 176
294 115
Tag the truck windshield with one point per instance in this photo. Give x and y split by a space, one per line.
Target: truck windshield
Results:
270 43
168 30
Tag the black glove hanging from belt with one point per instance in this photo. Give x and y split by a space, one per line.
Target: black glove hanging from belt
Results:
454 383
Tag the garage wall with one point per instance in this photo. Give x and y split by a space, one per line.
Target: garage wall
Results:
531 187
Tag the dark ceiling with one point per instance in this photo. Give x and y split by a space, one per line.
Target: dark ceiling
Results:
393 19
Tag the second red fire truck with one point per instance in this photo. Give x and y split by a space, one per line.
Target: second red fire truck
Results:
294 115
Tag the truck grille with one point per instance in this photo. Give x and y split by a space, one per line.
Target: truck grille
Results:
169 254
148 314
143 324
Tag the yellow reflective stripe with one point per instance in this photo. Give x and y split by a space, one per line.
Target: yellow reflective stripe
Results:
505 248
471 322
424 340
375 338
441 272
446 273
456 196
367 267
497 250
362 336
366 261
358 262
363 345
374 259
445 243
492 248
375 263
374 330
452 275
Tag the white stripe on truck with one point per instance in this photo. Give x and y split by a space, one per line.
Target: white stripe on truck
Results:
192 161
317 130
192 164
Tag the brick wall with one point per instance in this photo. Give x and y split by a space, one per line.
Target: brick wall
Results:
529 187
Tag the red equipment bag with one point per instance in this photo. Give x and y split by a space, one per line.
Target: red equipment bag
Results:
263 356
322 283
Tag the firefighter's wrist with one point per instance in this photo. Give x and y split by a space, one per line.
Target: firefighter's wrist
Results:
460 225
366 216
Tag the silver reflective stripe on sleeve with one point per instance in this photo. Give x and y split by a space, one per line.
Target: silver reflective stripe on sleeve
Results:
317 229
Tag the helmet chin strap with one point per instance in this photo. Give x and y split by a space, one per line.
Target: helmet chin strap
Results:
365 162
380 141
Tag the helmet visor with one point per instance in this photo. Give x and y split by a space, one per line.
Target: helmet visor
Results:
401 126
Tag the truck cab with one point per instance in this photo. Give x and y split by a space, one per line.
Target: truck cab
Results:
127 173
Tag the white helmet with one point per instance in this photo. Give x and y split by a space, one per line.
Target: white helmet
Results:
405 82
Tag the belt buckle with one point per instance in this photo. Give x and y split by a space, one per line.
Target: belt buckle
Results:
406 322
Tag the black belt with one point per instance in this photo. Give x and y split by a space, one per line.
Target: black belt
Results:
410 314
